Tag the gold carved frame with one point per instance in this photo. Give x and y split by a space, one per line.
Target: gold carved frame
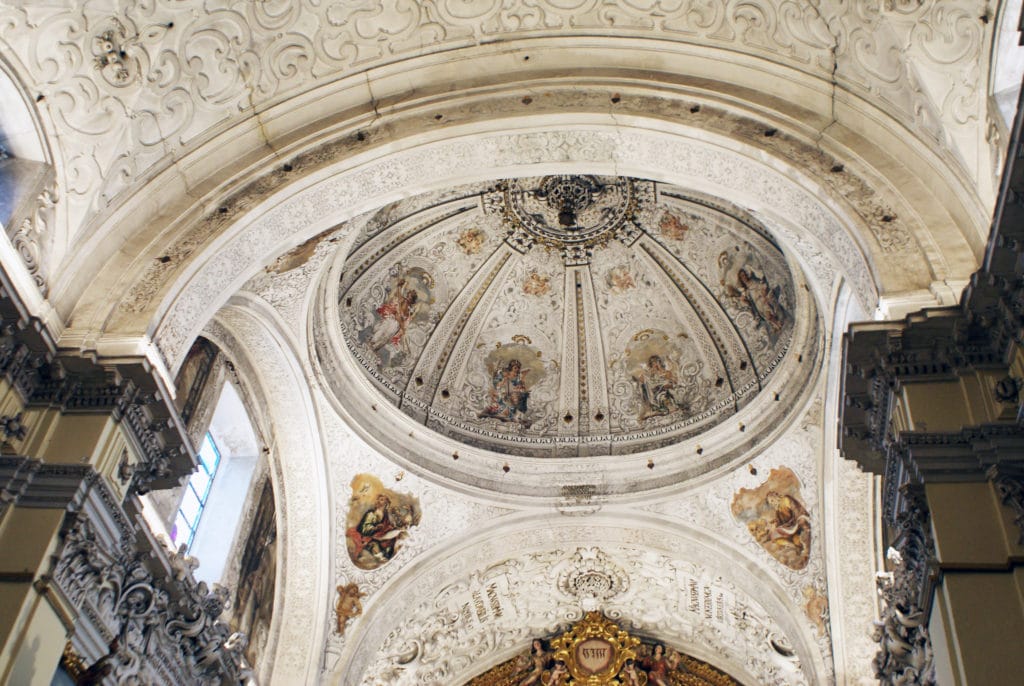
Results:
581 648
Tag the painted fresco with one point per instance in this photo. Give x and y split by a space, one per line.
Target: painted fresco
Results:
620 279
654 665
816 608
672 226
348 605
745 283
776 517
471 241
514 369
425 303
254 601
654 363
407 300
378 519
537 284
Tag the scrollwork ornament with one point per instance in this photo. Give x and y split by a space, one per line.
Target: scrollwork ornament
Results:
161 627
592 578
111 55
1009 485
28 239
905 651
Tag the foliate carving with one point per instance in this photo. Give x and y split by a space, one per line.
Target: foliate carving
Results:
29 238
1009 484
12 427
905 652
110 51
594 650
172 71
592 578
443 638
162 626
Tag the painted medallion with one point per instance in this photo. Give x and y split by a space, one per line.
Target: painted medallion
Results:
378 519
776 517
747 286
514 369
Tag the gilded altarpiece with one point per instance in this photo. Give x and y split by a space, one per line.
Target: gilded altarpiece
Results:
597 652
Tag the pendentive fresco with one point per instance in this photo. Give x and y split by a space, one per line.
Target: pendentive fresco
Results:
378 520
776 517
567 315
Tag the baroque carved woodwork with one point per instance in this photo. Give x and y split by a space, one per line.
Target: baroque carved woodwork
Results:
159 624
128 391
977 342
595 651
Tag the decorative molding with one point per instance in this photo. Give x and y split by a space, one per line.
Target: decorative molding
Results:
1009 483
127 390
168 74
453 610
905 651
161 625
282 409
36 231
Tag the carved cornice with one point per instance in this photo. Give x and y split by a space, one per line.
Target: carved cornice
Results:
34 484
162 626
126 389
940 344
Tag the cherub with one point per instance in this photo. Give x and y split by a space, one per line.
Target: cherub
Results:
348 605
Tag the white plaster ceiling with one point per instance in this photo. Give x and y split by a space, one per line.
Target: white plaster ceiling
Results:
197 144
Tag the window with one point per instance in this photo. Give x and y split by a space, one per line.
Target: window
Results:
197 491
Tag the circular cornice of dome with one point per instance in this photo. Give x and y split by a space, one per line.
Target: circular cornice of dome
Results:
570 316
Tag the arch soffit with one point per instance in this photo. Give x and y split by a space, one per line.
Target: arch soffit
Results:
816 44
303 211
263 352
390 620
943 211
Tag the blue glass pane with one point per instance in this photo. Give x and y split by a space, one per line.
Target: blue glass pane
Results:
209 456
200 481
190 507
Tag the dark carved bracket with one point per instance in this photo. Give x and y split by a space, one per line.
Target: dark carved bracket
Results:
126 389
156 622
1009 483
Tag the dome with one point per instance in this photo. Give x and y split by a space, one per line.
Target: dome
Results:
567 316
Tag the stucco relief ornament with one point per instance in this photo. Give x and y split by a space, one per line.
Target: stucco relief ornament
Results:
111 55
591 577
571 214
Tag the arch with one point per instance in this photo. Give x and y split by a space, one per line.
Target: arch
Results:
681 158
252 331
884 174
417 611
